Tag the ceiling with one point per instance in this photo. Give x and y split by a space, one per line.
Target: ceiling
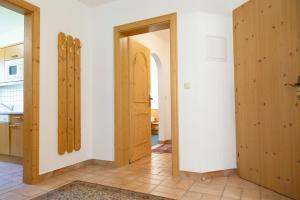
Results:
214 5
94 3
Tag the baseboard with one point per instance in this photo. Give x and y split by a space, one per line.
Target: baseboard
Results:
11 159
64 170
214 174
42 177
165 142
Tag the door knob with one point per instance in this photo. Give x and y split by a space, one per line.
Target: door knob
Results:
150 99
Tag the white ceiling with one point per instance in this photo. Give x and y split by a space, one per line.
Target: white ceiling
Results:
214 4
11 27
94 3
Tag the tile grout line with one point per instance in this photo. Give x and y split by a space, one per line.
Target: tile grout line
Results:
224 188
188 190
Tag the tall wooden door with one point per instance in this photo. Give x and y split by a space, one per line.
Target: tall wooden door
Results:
139 100
267 66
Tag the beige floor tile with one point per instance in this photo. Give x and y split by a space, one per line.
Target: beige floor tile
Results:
146 188
228 198
29 191
148 175
51 184
232 192
250 194
192 196
169 192
149 180
210 197
207 189
12 196
166 195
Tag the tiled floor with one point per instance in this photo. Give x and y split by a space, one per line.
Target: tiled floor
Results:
149 175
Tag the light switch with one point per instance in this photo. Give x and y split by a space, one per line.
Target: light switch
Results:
187 86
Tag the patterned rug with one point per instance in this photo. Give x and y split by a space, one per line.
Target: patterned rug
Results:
79 190
165 148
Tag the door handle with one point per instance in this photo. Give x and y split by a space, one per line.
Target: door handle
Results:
150 99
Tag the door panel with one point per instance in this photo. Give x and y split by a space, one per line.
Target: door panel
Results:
139 93
16 135
267 58
4 139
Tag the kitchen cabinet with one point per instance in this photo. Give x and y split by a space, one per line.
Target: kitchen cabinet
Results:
16 135
4 138
14 52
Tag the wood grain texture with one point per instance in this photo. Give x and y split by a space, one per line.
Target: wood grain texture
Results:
121 135
71 93
16 135
267 39
31 88
139 101
122 142
14 52
69 111
4 139
62 94
77 107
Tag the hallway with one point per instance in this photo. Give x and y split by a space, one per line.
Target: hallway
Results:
149 175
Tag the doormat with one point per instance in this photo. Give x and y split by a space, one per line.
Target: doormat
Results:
79 190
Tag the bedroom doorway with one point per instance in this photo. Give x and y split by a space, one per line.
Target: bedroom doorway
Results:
133 110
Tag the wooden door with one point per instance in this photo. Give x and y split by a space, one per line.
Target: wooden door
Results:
139 100
267 61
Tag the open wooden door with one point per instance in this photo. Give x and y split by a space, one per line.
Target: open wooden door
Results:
139 100
267 67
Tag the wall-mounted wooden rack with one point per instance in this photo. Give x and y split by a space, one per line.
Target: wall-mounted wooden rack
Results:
69 116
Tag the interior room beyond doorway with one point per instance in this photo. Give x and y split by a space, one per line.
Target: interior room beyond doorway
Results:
159 44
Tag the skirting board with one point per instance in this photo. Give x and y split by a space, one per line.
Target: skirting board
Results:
75 166
165 142
214 174
222 173
11 159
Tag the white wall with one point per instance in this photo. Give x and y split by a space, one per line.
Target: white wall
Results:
11 27
207 120
159 44
73 18
207 131
12 37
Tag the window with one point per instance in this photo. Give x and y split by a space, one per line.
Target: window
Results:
154 83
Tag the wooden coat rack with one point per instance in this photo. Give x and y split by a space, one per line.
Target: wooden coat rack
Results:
69 119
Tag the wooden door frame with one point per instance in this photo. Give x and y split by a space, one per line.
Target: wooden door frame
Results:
121 108
31 86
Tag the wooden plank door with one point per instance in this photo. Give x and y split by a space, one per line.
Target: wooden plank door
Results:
139 100
267 63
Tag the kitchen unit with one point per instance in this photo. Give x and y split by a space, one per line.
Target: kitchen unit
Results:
11 100
11 64
11 135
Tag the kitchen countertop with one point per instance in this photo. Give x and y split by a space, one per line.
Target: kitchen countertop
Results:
11 113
